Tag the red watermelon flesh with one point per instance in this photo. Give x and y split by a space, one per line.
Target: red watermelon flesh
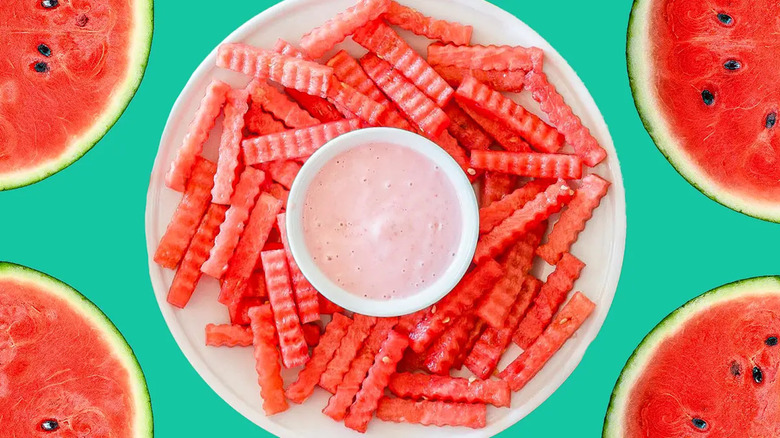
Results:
62 363
705 77
712 375
68 72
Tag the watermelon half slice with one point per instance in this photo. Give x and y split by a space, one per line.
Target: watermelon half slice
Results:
69 69
709 369
705 80
64 367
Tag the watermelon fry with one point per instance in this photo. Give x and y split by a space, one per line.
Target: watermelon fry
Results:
188 215
563 326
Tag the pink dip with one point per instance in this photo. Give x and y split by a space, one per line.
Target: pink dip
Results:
382 221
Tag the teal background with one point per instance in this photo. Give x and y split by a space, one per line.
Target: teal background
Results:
85 225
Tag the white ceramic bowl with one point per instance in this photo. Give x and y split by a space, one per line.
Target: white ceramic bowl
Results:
230 371
467 202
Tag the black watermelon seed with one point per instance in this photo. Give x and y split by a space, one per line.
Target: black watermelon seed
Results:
772 340
50 4
735 369
699 423
44 50
771 118
50 425
82 20
41 67
732 64
725 18
758 376
707 97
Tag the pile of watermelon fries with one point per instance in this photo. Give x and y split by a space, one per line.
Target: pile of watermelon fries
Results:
230 222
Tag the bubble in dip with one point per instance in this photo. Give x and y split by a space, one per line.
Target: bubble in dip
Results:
382 221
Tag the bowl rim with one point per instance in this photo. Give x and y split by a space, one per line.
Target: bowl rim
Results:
468 211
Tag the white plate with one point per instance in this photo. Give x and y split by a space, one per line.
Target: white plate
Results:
230 372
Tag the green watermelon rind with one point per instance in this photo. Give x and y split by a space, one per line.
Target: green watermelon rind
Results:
767 285
657 126
112 114
99 320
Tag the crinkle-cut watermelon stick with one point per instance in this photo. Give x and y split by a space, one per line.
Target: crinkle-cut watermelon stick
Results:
279 192
432 413
382 40
327 307
563 326
230 231
230 145
496 304
451 146
304 76
367 399
348 70
530 164
286 48
545 204
258 228
415 22
408 322
445 350
303 387
187 216
279 105
267 360
305 294
564 119
318 107
495 186
295 352
357 103
283 172
479 57
572 221
312 334
348 350
296 143
370 111
495 213
421 110
456 303
476 332
468 132
187 276
450 389
492 104
511 81
551 296
487 352
317 42
339 403
260 122
197 134
499 131
228 335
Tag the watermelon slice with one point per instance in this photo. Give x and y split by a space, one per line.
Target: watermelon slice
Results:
90 370
702 76
87 60
742 320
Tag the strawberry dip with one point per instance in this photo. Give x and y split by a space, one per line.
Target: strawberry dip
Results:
382 221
